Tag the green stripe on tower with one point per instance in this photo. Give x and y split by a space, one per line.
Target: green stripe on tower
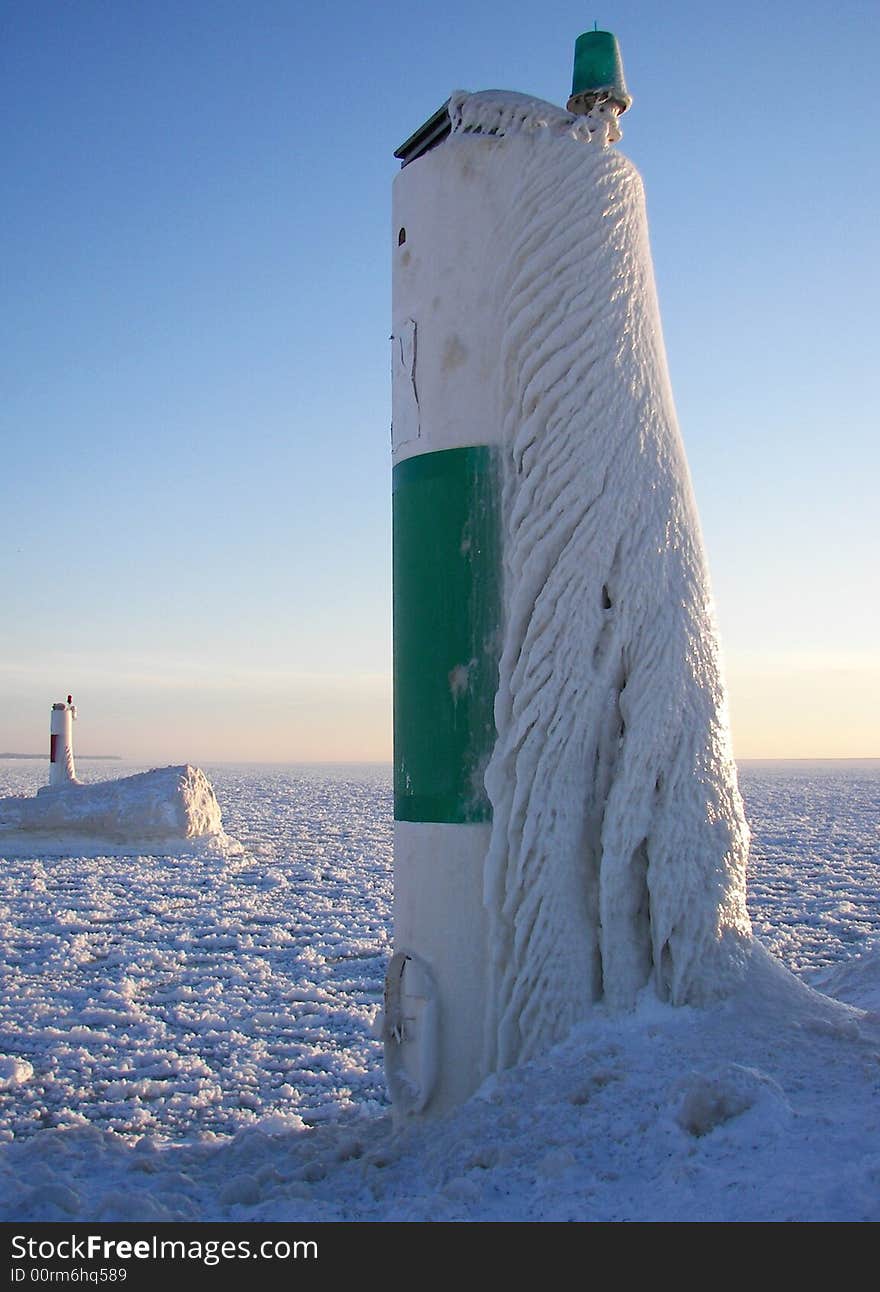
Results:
447 631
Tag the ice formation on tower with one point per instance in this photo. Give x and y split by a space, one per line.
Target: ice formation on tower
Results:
618 846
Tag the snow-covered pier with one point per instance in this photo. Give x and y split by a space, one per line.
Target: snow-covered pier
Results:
163 805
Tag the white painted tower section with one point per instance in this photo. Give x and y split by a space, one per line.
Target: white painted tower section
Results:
446 210
61 767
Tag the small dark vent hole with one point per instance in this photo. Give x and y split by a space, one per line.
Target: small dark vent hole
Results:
606 600
401 237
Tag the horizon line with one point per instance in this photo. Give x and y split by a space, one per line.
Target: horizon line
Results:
389 762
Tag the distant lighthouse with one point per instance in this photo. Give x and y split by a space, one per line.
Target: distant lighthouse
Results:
61 766
567 826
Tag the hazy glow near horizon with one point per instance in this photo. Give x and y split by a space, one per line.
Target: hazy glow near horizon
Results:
196 517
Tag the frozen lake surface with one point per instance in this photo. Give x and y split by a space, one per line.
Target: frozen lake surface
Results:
188 1004
185 994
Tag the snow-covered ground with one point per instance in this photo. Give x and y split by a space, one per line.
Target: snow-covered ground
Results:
188 1037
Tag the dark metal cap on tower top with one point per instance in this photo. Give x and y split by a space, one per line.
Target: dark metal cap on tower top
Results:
598 73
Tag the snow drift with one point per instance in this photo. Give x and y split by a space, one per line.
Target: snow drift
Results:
619 844
167 804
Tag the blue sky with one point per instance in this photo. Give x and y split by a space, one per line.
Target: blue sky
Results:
194 361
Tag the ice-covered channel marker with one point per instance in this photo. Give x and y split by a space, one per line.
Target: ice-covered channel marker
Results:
164 806
568 826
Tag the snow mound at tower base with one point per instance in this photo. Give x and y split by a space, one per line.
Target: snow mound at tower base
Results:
159 807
